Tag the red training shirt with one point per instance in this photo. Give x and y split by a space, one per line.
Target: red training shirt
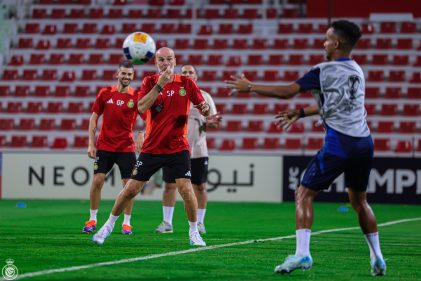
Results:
119 111
166 130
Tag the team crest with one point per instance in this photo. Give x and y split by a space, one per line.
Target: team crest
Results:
182 92
130 104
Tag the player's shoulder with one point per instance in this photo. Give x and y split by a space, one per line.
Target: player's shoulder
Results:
105 90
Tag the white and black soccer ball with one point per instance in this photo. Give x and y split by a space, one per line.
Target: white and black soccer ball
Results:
139 47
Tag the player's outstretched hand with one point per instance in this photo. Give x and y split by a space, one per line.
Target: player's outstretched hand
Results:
238 84
212 121
203 107
286 118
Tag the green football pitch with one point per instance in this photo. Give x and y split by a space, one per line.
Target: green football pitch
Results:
245 242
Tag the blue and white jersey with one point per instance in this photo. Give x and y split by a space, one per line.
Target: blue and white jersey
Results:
339 88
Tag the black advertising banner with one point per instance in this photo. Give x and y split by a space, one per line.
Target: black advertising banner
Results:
392 180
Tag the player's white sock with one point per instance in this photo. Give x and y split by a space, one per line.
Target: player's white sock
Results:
373 244
127 219
111 220
193 226
168 214
93 214
302 237
201 215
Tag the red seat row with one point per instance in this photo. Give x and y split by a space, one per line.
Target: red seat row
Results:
41 141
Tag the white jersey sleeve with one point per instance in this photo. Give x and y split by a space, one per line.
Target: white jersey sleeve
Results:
196 132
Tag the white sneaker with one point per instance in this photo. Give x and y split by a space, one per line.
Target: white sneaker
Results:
201 228
164 227
102 234
196 239
378 266
294 262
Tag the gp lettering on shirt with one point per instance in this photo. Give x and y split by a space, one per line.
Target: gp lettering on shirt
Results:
120 102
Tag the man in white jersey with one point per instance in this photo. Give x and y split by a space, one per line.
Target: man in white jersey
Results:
339 89
196 135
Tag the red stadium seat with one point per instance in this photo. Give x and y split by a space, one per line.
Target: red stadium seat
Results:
404 146
397 76
81 142
43 44
274 128
39 142
50 29
47 124
255 59
96 59
70 28
233 126
280 43
88 75
29 74
271 143
249 143
10 74
4 91
59 143
227 144
127 28
220 44
115 13
96 13
34 107
250 74
259 44
3 141
37 59
379 59
68 76
295 59
384 43
276 59
250 14
285 28
21 91
292 143
245 29
25 43
76 14
84 125
411 110
39 13
416 77
64 43
393 93
153 13
225 29
26 124
408 27
18 141
291 75
83 43
260 108
81 91
208 75
376 75
6 124
314 143
56 59
300 43
239 43
32 28
305 28
385 127
54 107
389 109
315 59
108 75
239 108
404 43
182 44
214 59
407 127
255 126
89 28
388 27
400 60
270 75
234 61
62 91
49 75
68 124
58 13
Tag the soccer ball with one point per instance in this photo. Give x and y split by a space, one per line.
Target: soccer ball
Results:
139 47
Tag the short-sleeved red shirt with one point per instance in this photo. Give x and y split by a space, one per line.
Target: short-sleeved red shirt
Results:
166 119
119 111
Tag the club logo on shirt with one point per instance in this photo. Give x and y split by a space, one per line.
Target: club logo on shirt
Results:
110 101
130 104
182 92
354 84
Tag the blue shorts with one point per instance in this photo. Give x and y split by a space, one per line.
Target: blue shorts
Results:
341 153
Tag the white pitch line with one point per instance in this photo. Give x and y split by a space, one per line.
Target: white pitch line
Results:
155 256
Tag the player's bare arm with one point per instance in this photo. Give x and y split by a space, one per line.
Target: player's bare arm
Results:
242 84
286 118
203 108
147 101
91 131
139 141
212 121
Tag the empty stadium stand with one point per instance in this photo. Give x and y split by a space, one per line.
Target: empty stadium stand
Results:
65 50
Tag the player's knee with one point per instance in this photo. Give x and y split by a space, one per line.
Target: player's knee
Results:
98 181
133 188
201 188
170 188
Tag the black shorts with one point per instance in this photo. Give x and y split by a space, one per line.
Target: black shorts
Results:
105 161
199 171
148 164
